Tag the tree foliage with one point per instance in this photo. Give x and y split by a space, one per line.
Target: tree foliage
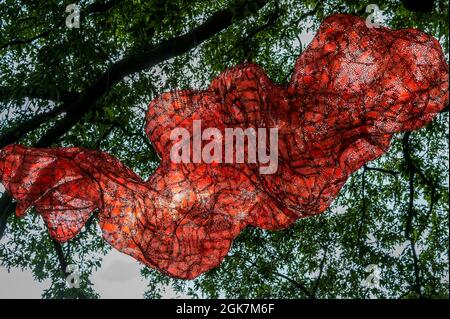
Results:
90 87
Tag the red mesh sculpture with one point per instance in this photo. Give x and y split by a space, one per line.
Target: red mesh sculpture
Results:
351 90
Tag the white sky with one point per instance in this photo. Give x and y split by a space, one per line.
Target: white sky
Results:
118 278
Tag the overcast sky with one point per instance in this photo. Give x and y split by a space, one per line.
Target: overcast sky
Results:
117 278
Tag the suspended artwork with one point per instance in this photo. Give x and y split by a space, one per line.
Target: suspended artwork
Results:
350 91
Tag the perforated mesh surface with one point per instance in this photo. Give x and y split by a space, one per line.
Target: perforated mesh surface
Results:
350 91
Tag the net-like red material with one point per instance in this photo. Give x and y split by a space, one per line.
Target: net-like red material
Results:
350 91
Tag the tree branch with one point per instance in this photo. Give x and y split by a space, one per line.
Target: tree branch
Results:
61 258
9 93
7 207
322 264
276 273
381 170
92 8
364 210
25 41
296 284
103 6
411 213
20 130
80 106
419 5
167 49
389 172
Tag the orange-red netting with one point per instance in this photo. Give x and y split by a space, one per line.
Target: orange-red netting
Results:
351 90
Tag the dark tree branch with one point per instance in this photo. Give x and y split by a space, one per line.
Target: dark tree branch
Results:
433 187
9 93
61 258
411 213
419 5
150 57
80 106
381 170
7 207
104 135
322 264
25 41
20 130
311 12
63 267
364 210
253 32
102 6
389 172
297 284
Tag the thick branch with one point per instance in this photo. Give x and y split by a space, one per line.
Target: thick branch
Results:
419 5
167 49
61 258
80 106
7 207
22 128
138 62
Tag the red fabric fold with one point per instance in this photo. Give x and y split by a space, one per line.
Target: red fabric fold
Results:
351 90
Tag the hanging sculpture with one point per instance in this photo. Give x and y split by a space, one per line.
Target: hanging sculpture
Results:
351 90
